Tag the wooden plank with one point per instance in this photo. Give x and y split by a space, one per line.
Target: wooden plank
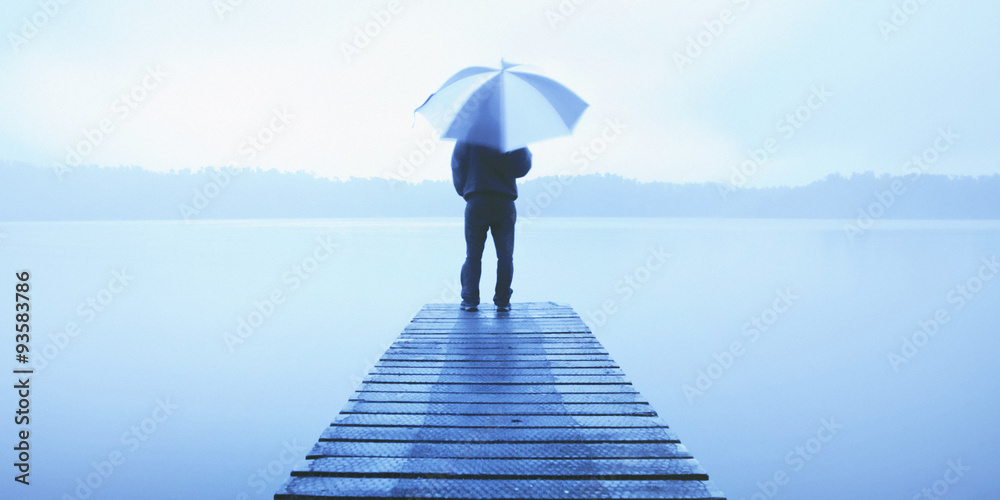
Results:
517 306
496 421
364 488
509 330
492 371
632 468
490 380
498 388
497 435
493 358
504 323
607 450
504 350
496 344
506 408
519 365
454 397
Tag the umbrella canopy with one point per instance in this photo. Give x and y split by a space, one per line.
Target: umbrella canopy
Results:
505 109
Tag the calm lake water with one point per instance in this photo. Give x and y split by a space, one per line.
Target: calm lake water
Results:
863 369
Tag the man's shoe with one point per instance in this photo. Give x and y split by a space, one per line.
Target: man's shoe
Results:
503 308
467 306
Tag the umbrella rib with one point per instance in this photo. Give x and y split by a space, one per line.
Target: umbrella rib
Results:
566 119
501 129
467 73
462 109
549 108
459 81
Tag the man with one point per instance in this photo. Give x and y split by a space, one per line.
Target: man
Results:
485 178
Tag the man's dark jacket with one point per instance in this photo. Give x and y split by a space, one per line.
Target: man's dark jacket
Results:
480 169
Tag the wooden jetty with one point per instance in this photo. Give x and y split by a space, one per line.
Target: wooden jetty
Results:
475 405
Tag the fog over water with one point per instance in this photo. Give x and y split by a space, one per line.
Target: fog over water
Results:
182 363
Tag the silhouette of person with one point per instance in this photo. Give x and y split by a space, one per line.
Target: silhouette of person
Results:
485 177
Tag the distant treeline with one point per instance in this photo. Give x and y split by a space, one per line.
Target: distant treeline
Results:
31 193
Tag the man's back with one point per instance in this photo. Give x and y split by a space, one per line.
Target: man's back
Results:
477 169
485 178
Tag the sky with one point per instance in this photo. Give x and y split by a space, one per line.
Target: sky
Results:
750 92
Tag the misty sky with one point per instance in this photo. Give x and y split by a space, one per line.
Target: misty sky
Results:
183 84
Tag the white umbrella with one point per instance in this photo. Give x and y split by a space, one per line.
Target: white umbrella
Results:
505 109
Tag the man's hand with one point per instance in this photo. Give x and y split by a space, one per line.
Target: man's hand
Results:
521 160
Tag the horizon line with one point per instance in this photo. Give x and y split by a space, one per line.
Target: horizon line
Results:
396 179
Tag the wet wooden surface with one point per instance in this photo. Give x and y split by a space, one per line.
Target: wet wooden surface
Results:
523 404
